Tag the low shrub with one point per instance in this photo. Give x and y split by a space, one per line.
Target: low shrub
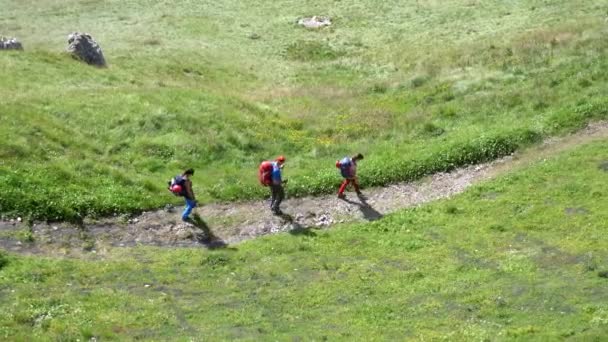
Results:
3 259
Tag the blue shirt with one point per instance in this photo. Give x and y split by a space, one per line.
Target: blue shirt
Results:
276 173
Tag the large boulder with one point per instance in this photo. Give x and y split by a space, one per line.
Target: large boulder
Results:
10 44
86 49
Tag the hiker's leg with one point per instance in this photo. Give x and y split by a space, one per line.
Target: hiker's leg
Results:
274 202
271 196
343 187
355 182
190 204
280 196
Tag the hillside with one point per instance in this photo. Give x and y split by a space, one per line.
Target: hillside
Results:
418 87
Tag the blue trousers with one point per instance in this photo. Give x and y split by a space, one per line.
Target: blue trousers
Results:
190 204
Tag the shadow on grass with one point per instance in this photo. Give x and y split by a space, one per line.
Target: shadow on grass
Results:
368 212
208 238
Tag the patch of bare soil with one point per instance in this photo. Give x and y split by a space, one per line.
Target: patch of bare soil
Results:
221 225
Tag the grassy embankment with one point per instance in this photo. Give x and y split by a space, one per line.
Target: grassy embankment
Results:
418 87
522 257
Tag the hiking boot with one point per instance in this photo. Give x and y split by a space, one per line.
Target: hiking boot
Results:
341 196
277 211
361 195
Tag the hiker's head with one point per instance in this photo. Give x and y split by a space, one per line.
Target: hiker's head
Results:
358 156
281 160
188 172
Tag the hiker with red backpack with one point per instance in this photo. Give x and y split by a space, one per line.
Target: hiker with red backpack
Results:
348 170
181 185
270 175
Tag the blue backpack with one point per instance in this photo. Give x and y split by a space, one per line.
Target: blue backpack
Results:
345 164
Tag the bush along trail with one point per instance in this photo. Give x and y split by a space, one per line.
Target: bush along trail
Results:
219 225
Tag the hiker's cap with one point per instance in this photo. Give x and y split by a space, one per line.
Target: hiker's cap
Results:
281 159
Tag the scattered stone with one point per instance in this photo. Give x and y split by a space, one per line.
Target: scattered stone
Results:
575 211
184 233
10 44
324 220
83 47
602 274
275 229
18 219
315 22
604 166
254 36
169 208
310 214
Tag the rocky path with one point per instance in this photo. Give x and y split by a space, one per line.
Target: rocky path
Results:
227 224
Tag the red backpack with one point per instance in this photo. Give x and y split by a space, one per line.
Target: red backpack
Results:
177 185
265 173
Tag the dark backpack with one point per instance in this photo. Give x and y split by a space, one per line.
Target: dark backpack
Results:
344 166
177 185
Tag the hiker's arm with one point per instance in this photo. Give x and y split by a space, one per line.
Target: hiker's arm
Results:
189 190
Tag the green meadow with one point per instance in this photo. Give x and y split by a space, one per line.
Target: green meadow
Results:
416 86
522 257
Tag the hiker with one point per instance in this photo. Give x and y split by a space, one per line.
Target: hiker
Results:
348 170
181 185
270 175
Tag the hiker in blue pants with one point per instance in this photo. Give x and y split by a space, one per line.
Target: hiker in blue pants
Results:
188 194
181 185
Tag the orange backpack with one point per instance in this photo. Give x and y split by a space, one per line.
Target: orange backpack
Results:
265 173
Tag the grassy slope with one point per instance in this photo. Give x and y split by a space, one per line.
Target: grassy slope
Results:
417 86
517 258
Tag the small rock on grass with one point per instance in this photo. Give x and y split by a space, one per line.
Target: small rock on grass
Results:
603 274
10 44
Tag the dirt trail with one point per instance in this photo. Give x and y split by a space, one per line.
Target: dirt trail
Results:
227 224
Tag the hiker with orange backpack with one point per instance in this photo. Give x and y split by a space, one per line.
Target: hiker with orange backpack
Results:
348 170
181 185
270 175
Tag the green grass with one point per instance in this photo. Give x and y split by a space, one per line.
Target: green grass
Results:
417 87
521 257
